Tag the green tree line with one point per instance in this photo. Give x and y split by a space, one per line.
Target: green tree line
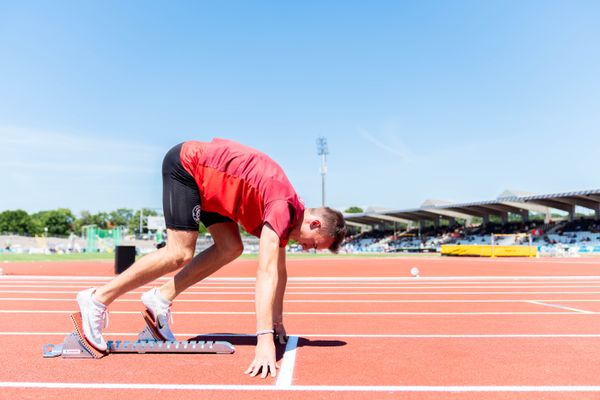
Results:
62 221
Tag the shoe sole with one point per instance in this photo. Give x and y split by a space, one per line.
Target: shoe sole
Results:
82 333
78 324
151 322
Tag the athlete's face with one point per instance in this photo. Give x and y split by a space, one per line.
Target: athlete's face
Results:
311 236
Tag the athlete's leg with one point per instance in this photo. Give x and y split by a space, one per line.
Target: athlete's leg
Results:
226 248
93 302
178 252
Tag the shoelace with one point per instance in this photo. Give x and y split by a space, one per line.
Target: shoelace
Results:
101 318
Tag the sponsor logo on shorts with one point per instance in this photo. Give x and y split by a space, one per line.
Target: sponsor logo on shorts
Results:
196 214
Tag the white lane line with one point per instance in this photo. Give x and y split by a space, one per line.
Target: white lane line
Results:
559 306
293 288
55 286
504 260
321 279
286 372
578 312
304 388
403 283
454 336
342 336
70 299
291 293
78 278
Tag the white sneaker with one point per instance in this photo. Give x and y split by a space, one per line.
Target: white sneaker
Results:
160 309
94 318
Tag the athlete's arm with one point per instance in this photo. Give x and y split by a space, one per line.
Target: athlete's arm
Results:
266 287
278 305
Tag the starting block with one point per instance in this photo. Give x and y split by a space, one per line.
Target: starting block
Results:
149 341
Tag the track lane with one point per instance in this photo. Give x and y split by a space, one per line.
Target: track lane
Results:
469 354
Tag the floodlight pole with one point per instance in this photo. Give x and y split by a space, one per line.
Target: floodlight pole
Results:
141 222
322 150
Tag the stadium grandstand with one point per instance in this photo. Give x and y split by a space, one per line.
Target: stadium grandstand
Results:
562 224
554 224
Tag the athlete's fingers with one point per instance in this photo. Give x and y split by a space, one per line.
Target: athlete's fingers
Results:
265 371
250 368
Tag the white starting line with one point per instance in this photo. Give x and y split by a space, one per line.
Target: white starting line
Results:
286 372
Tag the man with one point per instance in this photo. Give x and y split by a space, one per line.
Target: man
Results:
220 183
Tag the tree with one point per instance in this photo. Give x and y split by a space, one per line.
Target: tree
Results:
60 222
121 217
85 218
354 210
16 221
101 220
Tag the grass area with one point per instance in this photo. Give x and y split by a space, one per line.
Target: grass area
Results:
110 256
56 257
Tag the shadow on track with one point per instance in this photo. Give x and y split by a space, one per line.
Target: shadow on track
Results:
250 340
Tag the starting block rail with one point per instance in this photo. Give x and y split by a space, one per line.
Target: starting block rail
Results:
76 346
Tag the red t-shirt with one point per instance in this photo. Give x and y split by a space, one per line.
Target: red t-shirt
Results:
243 184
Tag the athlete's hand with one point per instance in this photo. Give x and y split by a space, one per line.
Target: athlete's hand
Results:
280 335
264 358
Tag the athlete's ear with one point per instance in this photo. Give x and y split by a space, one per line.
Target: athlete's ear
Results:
315 224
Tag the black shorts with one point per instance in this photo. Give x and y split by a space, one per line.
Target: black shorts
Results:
181 196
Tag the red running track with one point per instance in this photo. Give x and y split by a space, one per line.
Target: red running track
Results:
466 329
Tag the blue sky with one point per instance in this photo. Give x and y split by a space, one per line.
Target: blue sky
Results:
453 100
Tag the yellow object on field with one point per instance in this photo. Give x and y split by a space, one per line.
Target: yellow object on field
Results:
488 250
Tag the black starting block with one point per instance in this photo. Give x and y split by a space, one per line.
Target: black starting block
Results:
149 341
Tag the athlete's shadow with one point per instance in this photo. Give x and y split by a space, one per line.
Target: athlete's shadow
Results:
250 340
305 342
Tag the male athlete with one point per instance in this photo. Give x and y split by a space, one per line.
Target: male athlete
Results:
220 183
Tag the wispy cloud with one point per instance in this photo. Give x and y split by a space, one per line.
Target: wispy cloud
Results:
390 143
46 170
45 151
69 167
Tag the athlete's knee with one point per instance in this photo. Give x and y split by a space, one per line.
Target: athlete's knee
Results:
180 255
231 248
236 249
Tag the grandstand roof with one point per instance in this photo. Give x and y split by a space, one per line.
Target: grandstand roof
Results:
507 202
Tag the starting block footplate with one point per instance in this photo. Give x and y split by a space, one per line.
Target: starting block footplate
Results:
76 346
